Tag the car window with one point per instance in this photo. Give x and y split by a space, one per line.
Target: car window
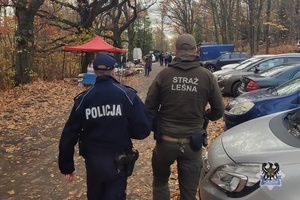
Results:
224 56
293 59
297 74
272 71
244 55
269 64
288 87
246 64
235 56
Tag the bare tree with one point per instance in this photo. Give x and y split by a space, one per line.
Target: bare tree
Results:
182 14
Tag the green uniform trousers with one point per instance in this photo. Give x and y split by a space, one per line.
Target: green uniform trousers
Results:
189 165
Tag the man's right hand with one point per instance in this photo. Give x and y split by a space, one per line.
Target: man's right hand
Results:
71 177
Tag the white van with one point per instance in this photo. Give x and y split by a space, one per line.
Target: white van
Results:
137 55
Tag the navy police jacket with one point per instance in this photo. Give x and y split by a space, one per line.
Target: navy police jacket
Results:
103 120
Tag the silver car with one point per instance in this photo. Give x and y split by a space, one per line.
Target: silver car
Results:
256 160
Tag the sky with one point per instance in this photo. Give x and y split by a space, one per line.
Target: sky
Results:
155 17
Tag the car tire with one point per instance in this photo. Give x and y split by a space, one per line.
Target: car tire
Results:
211 68
235 87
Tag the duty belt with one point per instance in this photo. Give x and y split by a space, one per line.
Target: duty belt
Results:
174 139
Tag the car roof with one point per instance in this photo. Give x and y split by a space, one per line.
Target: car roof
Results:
262 55
250 65
289 54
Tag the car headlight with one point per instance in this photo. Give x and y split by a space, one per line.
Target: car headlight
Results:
206 165
237 179
241 108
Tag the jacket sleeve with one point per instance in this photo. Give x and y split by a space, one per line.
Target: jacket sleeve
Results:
217 107
139 120
68 140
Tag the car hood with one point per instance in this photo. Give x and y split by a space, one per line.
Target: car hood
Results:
254 142
254 95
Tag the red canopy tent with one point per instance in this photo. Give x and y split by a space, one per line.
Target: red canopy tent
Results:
95 45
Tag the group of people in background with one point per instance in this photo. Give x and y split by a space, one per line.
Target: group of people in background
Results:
165 58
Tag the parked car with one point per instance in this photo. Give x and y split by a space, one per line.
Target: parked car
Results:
153 57
254 161
270 78
240 65
230 66
262 102
298 46
229 82
224 59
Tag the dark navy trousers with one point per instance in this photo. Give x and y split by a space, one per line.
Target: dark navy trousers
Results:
104 181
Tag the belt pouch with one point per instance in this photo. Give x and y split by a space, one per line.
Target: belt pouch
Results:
196 141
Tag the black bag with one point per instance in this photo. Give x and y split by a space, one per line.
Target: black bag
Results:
196 141
126 160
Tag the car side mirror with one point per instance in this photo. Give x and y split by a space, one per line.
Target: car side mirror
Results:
256 70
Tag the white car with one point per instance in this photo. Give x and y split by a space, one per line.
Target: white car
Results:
153 58
230 66
256 160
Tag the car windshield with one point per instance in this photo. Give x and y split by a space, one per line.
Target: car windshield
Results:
274 71
246 63
288 87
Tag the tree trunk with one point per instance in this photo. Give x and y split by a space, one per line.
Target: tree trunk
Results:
268 13
25 12
251 25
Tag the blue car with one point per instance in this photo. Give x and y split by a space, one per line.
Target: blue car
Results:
262 102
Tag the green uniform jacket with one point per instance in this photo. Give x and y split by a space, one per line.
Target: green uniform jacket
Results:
179 96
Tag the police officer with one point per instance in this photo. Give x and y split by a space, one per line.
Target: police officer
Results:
103 120
177 101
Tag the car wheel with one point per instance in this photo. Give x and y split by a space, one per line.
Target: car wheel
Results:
235 87
211 68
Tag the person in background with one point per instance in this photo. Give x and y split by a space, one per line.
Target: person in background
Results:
177 101
90 68
123 60
169 58
103 121
161 59
166 59
148 64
